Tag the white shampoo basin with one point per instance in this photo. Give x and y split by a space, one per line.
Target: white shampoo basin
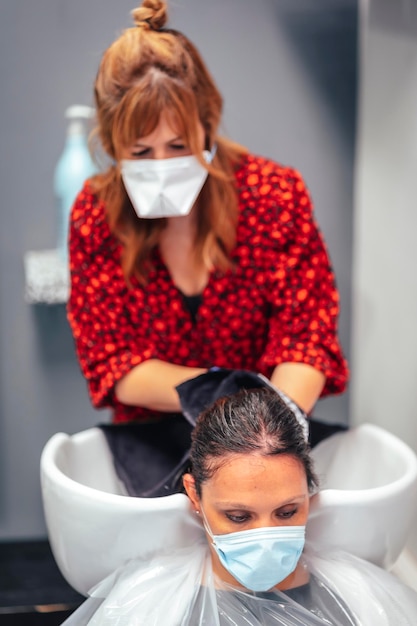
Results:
366 506
368 498
93 527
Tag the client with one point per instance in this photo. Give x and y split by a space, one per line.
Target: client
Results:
249 486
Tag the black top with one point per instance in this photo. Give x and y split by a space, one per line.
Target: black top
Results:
192 303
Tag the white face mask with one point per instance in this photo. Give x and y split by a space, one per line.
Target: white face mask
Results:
164 187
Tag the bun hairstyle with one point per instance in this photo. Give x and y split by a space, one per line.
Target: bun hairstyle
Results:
152 14
148 71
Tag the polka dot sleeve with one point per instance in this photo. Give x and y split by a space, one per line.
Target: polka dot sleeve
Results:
102 325
303 295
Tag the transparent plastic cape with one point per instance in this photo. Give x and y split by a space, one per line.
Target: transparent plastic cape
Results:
178 589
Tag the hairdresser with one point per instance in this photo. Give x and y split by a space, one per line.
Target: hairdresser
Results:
190 252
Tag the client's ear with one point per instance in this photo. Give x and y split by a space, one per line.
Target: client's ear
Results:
189 486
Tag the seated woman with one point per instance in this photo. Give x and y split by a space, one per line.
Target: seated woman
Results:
249 486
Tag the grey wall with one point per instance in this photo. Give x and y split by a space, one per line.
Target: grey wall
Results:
384 336
287 71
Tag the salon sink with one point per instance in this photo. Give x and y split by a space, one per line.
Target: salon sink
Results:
367 501
366 505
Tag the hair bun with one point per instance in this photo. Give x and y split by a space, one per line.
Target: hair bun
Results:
151 14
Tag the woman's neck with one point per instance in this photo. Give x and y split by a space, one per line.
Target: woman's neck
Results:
177 247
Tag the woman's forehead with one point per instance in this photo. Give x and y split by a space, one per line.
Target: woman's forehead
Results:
248 477
166 120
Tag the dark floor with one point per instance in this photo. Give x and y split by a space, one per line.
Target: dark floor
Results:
32 589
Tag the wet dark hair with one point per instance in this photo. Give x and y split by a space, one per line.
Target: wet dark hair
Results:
251 421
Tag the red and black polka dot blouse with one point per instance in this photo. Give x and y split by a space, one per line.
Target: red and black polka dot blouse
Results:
279 304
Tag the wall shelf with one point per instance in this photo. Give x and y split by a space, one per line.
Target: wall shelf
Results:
47 277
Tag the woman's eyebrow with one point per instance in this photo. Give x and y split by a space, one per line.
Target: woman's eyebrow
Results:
246 507
145 145
232 505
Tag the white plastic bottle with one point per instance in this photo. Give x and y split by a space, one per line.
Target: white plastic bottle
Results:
74 166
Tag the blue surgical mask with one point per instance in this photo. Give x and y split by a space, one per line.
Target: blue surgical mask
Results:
260 558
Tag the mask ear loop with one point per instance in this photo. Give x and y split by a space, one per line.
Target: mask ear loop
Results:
208 155
212 152
206 525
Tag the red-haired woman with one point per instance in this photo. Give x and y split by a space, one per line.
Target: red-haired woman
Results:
189 252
